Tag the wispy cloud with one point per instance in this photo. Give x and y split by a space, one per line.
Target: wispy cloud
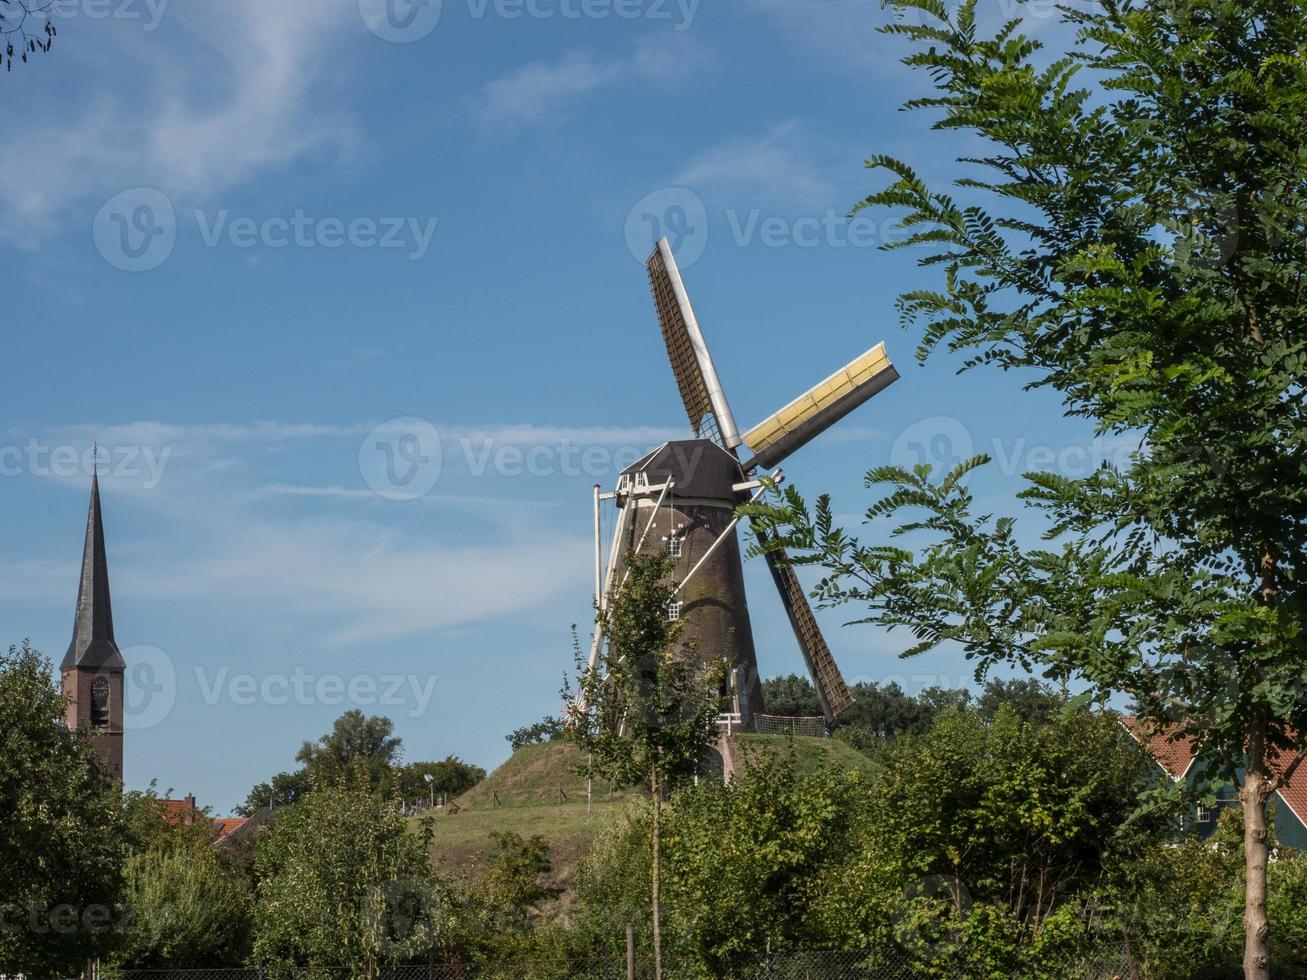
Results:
204 123
841 33
362 581
776 165
220 528
542 89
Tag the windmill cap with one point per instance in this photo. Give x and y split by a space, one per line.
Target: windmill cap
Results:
696 467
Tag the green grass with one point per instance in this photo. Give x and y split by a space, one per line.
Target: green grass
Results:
529 802
533 775
462 841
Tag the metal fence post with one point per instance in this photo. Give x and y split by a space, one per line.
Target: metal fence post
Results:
630 951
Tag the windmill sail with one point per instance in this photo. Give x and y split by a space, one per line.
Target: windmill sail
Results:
817 409
826 677
696 376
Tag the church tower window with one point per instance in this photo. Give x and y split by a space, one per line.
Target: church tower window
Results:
100 703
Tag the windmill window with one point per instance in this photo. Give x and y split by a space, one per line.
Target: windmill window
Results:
1204 815
100 703
674 610
674 545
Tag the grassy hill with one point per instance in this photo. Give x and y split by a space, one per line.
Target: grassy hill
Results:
534 775
529 801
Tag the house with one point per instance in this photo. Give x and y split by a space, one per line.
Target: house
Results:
222 826
186 811
1177 757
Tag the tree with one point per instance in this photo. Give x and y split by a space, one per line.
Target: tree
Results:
189 908
748 859
1030 700
451 777
26 28
344 883
357 747
512 887
1145 261
546 729
356 744
993 832
1185 920
63 836
283 789
883 712
792 696
646 714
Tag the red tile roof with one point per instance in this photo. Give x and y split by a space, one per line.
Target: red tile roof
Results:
1294 792
225 825
1176 755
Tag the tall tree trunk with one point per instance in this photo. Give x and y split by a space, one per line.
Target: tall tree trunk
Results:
1253 796
657 877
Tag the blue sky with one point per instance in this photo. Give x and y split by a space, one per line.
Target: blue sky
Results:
244 243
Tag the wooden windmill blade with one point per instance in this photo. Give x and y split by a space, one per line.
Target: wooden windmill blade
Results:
820 407
826 677
696 376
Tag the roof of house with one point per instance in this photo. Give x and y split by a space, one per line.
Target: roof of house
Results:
1176 754
225 825
247 830
1294 792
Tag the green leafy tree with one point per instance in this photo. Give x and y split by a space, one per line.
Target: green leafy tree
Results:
612 886
747 860
1138 247
547 729
885 711
63 833
283 789
450 777
189 908
344 883
1185 921
791 695
357 747
1031 700
985 839
646 715
513 887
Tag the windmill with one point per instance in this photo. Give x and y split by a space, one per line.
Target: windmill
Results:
682 497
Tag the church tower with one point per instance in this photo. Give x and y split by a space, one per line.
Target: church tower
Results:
92 670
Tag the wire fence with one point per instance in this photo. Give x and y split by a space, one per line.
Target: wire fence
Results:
790 725
1111 964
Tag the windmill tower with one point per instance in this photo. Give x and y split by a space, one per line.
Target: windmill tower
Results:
682 498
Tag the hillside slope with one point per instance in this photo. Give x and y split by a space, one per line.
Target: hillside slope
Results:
529 801
533 775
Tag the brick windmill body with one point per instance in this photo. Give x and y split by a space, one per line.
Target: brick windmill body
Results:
682 497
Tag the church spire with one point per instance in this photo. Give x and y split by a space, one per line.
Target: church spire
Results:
93 646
